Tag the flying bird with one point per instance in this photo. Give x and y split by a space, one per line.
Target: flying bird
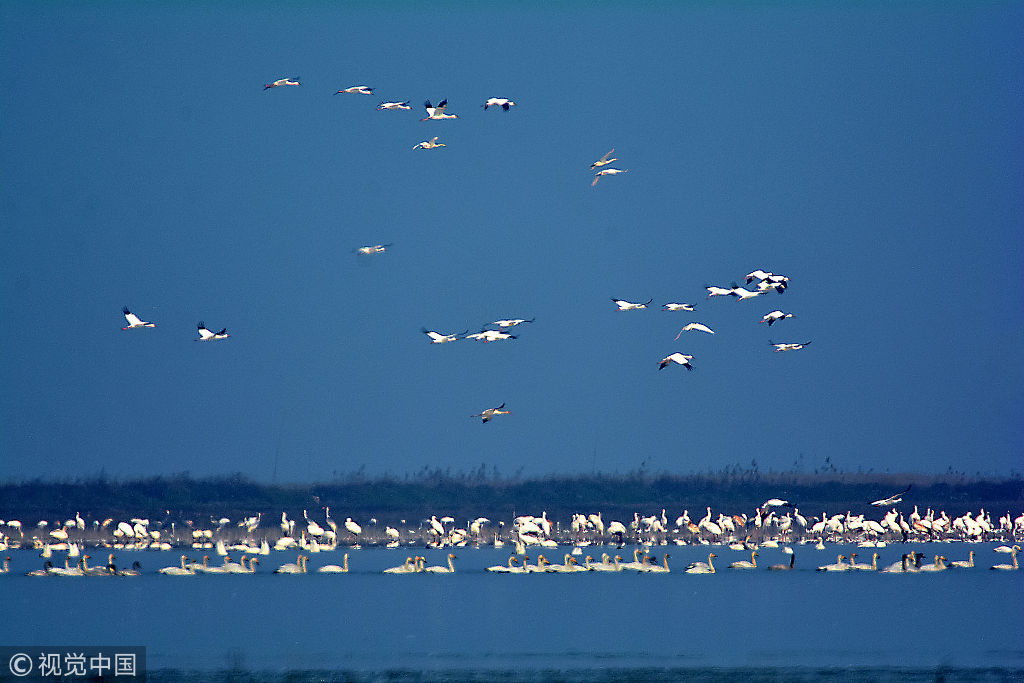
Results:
775 316
891 500
438 111
677 357
375 249
438 338
356 90
491 412
677 307
607 171
788 347
717 291
776 503
604 161
741 294
393 105
511 323
499 102
765 275
430 144
765 285
629 306
490 335
207 335
133 320
282 81
695 327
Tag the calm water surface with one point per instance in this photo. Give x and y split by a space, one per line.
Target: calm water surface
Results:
475 622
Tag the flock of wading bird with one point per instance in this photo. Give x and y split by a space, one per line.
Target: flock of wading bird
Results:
768 528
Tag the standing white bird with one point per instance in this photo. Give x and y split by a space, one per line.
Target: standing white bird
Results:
672 306
695 327
393 105
788 346
133 320
282 81
499 102
677 357
207 335
775 316
438 338
629 306
352 527
488 414
356 90
604 161
437 113
432 143
607 171
373 249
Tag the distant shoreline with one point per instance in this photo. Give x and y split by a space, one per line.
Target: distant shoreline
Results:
469 495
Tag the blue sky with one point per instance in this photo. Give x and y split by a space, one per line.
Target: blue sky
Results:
873 153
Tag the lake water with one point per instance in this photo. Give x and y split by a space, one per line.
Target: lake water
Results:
474 625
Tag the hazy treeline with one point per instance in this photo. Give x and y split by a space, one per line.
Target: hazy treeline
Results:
483 492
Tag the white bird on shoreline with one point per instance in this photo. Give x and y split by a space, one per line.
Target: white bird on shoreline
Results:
499 102
629 306
133 320
437 113
207 335
677 357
